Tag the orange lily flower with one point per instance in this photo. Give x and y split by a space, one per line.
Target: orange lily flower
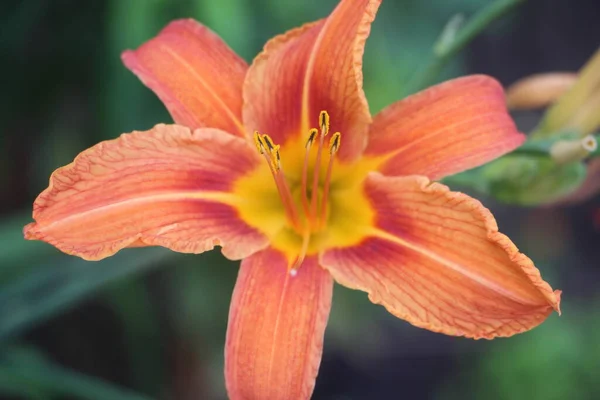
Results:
281 165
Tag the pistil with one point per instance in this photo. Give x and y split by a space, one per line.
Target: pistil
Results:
303 251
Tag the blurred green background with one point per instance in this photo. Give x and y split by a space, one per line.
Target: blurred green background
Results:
151 324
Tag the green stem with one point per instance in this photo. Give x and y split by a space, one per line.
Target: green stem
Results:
447 47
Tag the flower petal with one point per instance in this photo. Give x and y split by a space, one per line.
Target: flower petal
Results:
195 74
276 327
313 68
448 128
436 259
166 187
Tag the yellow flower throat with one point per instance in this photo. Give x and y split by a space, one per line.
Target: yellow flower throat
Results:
315 208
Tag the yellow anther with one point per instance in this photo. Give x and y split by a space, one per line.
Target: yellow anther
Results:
334 143
276 158
311 137
258 141
268 142
324 122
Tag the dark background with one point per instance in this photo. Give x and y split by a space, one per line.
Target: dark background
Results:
159 330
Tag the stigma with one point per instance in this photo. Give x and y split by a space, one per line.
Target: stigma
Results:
309 214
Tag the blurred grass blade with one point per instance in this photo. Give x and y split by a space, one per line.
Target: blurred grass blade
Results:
24 371
125 103
447 47
48 290
132 302
15 249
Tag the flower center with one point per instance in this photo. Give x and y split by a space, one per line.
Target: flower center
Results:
310 216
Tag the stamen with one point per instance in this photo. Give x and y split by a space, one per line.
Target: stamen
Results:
258 141
268 142
311 138
315 211
324 121
324 124
276 158
334 143
273 152
288 200
270 152
334 146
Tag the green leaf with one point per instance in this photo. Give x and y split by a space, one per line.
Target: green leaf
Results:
531 181
523 179
131 302
50 289
557 360
25 371
473 179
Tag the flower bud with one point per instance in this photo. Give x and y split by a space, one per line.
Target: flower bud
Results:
579 108
539 90
567 151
